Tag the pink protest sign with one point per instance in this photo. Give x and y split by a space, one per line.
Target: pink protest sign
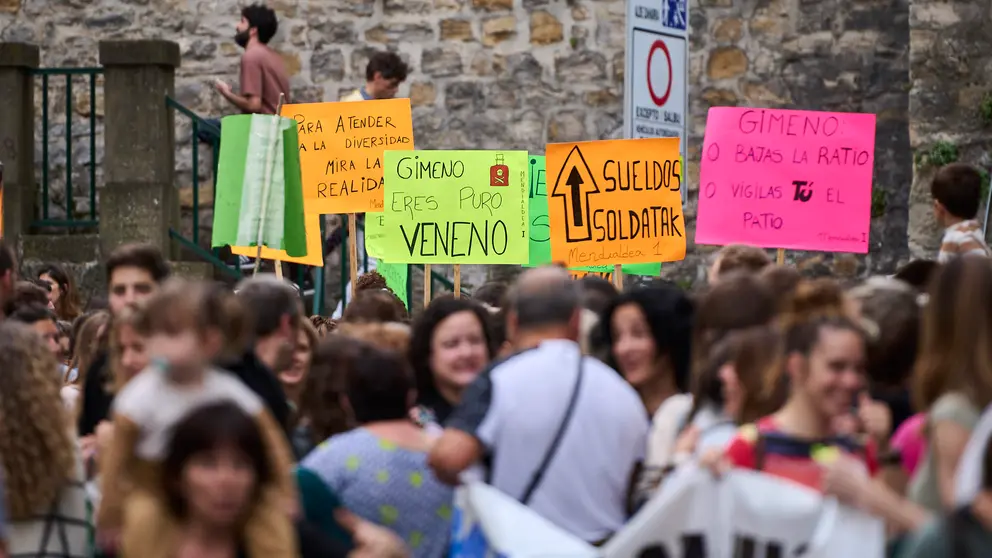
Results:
786 179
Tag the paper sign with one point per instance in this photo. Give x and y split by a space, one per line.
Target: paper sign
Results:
396 277
341 146
454 207
786 179
615 202
315 248
539 230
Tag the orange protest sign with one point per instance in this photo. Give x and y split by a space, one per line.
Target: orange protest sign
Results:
315 248
341 147
615 202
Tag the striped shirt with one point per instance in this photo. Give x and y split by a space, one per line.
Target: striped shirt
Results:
962 239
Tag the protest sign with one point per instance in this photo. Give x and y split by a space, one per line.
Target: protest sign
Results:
396 277
454 207
489 524
252 209
539 230
315 249
341 146
745 514
615 202
786 179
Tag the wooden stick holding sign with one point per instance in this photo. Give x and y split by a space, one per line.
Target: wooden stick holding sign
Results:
353 251
278 265
618 277
270 154
458 281
427 285
780 256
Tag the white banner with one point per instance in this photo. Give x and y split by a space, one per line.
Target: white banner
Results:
744 515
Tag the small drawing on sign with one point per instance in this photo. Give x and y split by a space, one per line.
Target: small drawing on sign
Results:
574 185
499 174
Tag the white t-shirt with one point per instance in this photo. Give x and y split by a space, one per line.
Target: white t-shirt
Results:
516 407
968 480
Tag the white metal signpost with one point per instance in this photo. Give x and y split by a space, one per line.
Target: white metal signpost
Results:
656 83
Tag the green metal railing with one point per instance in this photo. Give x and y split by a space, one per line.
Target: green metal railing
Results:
70 203
193 244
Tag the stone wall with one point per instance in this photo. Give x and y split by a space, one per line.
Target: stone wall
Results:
520 73
950 65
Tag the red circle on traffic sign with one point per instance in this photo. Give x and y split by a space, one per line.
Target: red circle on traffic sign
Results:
660 100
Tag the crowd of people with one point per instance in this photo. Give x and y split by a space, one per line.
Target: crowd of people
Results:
184 419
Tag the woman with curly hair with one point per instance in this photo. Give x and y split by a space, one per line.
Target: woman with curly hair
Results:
42 472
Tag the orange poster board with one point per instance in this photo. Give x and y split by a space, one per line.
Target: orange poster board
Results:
615 202
315 248
341 146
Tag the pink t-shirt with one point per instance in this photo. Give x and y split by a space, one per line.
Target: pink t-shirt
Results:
910 441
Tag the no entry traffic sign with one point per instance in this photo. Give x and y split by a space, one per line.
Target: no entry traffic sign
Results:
664 61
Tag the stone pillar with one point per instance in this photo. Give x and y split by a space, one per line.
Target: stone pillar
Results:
950 53
138 202
17 136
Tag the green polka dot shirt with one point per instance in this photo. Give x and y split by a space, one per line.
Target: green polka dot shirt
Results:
387 485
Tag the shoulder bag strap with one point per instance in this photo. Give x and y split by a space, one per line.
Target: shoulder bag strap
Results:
535 481
760 451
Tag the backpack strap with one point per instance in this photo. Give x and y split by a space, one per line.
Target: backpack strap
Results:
957 524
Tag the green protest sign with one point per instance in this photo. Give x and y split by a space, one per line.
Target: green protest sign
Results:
454 207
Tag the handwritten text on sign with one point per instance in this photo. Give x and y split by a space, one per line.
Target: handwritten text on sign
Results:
540 237
455 207
616 201
786 179
341 146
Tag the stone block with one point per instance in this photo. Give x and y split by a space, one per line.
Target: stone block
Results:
581 67
728 30
464 95
502 94
389 33
397 7
456 29
545 29
10 6
567 126
327 64
492 5
726 63
499 29
422 94
441 62
331 30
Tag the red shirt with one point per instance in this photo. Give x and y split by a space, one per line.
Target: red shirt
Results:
766 448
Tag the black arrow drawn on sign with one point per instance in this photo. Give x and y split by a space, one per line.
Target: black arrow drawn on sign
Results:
575 181
579 187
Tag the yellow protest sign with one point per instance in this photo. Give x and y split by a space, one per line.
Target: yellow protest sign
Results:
341 146
454 207
315 248
615 202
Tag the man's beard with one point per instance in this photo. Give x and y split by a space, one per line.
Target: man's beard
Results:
241 38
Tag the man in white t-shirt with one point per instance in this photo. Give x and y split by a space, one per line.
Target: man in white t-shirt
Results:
510 417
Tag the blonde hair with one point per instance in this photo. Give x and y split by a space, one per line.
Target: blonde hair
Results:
36 444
